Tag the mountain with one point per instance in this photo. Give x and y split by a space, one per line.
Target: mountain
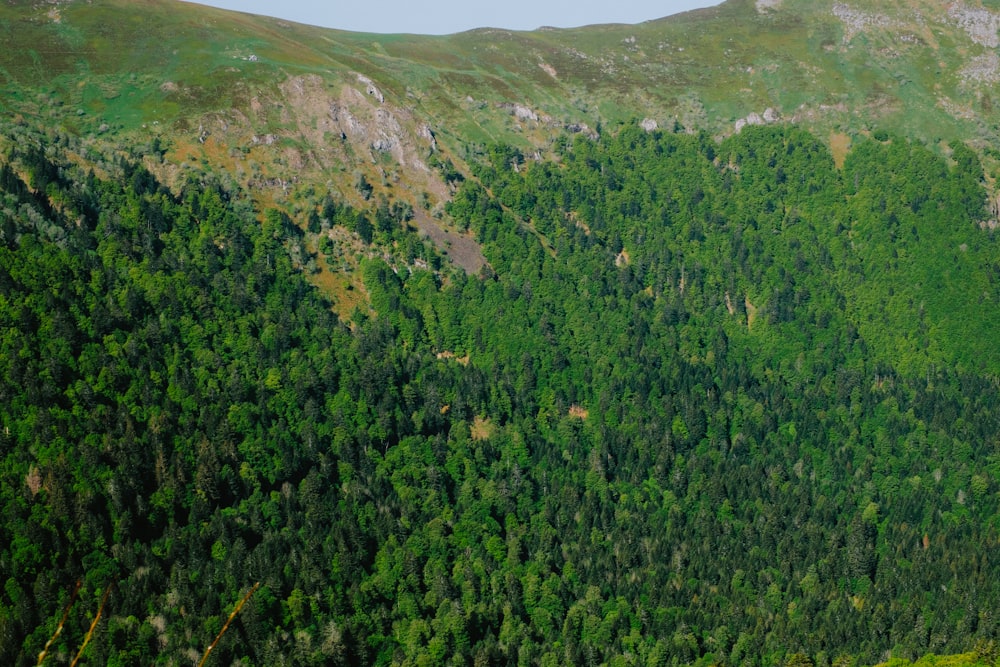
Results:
655 344
224 87
284 107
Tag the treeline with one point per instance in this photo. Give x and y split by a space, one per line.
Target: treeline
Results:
711 403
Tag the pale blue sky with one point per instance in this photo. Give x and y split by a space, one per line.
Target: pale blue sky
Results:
448 16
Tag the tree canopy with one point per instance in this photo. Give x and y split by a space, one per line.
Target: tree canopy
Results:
711 403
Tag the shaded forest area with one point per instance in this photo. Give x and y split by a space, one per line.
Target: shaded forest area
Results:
710 402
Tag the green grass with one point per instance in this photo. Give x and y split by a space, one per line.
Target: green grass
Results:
732 59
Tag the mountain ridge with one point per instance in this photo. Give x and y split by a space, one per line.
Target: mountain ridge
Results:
824 65
287 109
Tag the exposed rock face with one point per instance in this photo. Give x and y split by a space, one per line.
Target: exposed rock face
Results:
549 69
856 21
524 113
425 132
982 69
770 116
582 128
649 124
348 122
766 5
521 112
266 139
980 24
389 133
372 89
352 124
752 119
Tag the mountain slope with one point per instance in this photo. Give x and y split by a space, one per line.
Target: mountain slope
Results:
499 347
205 75
667 433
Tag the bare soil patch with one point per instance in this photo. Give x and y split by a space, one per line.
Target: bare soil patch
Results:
462 249
840 144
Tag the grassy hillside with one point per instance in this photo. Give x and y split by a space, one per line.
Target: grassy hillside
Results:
191 73
288 110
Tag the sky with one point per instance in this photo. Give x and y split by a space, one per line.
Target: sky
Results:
437 17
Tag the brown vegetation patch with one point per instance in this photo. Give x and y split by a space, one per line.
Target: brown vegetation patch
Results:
482 429
344 292
751 311
578 411
448 354
840 144
34 480
340 282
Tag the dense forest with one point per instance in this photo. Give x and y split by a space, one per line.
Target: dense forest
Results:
709 403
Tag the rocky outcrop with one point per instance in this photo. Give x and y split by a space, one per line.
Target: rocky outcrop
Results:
521 112
856 21
980 24
751 119
982 69
347 122
350 125
388 131
649 124
770 116
582 128
425 132
371 89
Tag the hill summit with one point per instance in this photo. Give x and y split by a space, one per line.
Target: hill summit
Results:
315 105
